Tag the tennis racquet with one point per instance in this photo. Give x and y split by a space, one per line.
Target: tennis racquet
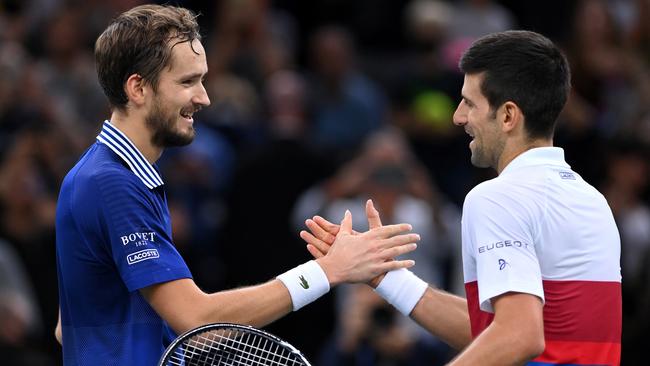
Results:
225 344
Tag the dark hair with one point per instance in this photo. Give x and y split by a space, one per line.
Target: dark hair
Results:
525 68
138 41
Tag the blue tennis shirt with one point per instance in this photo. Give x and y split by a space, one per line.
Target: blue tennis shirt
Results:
113 237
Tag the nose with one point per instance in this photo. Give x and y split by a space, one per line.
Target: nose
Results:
201 98
460 115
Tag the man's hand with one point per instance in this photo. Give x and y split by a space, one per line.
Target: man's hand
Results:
356 257
324 233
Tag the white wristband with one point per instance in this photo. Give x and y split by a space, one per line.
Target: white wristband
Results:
306 283
402 289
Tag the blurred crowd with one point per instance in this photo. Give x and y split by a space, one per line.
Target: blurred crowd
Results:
316 106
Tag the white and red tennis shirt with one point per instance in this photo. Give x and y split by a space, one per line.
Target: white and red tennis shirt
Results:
539 228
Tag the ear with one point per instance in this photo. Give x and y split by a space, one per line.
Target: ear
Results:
511 116
135 89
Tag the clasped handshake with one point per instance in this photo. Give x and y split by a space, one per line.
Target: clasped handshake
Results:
349 256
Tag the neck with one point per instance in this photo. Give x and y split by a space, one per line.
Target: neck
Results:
135 128
509 154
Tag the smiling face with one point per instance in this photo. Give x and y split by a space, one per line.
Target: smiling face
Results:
179 94
480 122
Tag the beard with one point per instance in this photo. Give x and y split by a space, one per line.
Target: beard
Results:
479 157
486 154
163 125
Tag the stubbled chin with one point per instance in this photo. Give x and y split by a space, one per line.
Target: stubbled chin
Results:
184 128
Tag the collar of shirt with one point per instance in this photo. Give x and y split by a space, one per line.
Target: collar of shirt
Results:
538 156
117 141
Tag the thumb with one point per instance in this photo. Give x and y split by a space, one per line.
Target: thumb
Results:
346 224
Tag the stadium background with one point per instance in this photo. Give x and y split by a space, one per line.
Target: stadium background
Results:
316 105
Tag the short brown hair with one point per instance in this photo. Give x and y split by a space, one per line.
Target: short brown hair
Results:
138 42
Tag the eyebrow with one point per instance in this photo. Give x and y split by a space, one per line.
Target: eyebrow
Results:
192 76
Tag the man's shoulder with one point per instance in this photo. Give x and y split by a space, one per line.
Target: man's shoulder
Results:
100 167
505 191
488 188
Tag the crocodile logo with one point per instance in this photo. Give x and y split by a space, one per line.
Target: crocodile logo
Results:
303 282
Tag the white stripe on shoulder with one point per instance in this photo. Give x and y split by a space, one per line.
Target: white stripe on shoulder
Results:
124 148
125 141
122 154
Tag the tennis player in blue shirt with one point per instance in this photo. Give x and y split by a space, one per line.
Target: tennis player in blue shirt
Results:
124 290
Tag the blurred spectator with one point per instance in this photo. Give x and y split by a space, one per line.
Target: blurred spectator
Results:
387 172
250 42
268 180
346 105
20 322
235 111
476 18
197 177
628 178
13 60
431 82
537 15
640 30
628 172
371 332
610 90
424 91
29 175
610 82
639 43
68 74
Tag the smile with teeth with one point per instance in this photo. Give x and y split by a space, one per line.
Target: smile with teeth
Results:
471 135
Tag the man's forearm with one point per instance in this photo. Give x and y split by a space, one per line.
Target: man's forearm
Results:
255 305
184 306
445 316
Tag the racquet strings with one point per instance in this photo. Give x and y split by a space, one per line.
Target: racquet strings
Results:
232 347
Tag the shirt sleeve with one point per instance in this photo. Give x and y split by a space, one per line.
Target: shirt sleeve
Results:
499 233
136 232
